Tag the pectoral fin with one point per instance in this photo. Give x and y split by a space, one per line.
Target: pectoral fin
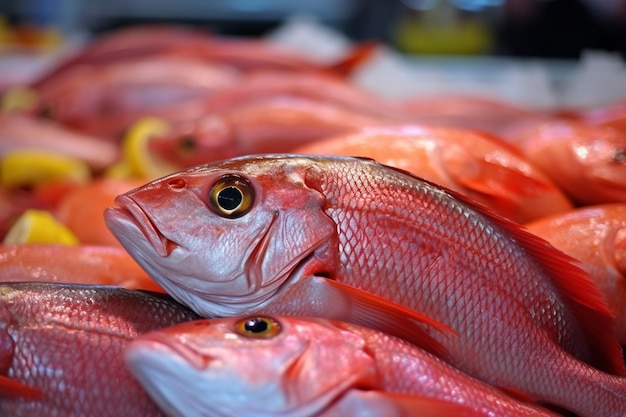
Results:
323 297
379 403
10 388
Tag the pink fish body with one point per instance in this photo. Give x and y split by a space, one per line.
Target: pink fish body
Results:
260 85
104 100
81 264
479 165
350 239
308 366
587 161
596 236
62 344
22 132
277 124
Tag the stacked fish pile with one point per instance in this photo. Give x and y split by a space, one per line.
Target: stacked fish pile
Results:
325 251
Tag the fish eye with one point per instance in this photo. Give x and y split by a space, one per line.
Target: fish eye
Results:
231 196
45 112
187 143
258 327
619 155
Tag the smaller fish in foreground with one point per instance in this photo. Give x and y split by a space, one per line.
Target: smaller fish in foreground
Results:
298 366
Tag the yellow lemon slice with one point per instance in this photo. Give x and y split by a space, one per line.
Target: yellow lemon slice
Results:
136 160
18 98
39 226
23 168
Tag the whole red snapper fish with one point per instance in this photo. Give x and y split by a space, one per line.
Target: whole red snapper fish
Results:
350 239
596 236
62 348
477 164
310 367
104 100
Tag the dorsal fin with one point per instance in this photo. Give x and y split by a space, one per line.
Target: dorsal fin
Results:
575 285
359 54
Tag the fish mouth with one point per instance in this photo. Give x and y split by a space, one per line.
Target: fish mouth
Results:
130 211
163 343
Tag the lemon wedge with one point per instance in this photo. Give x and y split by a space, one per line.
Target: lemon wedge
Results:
136 160
24 168
39 226
18 98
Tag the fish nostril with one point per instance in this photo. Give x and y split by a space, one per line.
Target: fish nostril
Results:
176 183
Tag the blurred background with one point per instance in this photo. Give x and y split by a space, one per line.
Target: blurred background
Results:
528 28
468 40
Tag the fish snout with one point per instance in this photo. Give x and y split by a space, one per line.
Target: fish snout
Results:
129 215
174 344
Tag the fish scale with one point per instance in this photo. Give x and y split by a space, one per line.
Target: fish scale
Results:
398 250
65 342
335 360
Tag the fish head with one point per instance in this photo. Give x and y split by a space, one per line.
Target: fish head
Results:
210 138
224 238
260 365
587 161
600 157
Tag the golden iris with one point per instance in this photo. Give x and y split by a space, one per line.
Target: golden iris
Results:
258 327
231 196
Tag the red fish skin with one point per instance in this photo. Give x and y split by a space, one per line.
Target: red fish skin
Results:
500 289
587 161
23 132
336 357
275 124
259 85
66 341
105 99
82 264
467 111
596 236
479 165
244 54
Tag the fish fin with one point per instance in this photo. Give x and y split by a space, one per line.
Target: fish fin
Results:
575 285
380 403
519 395
373 311
356 57
493 180
10 388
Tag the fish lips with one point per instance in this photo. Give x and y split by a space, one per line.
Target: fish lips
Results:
156 345
128 216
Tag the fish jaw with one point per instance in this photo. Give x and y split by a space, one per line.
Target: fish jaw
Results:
218 266
130 217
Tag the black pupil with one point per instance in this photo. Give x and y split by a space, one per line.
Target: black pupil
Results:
229 198
187 142
256 325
